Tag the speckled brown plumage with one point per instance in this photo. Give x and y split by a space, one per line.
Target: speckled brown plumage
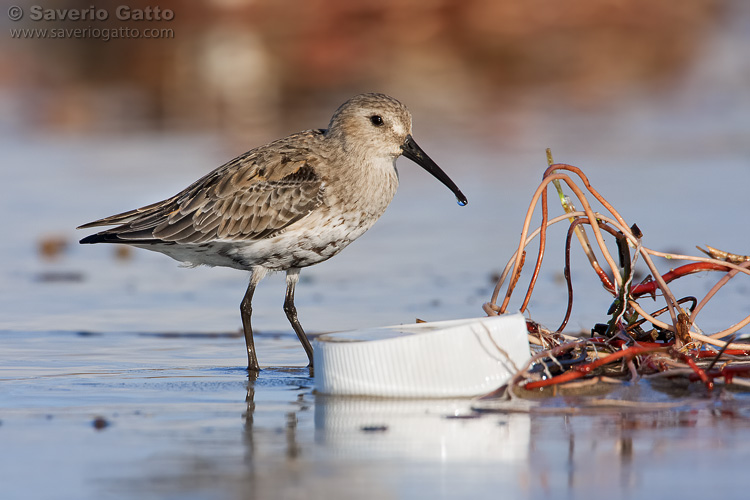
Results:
254 196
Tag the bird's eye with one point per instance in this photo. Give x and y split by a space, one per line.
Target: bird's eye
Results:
377 120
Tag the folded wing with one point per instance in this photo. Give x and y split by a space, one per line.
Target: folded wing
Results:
254 196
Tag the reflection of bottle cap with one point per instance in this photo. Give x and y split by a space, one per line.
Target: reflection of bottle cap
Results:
457 358
426 430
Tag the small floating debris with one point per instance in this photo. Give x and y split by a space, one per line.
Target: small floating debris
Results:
60 277
374 428
100 423
123 252
51 247
86 333
192 335
457 358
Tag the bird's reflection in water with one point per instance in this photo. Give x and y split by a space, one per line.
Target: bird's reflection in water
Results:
258 435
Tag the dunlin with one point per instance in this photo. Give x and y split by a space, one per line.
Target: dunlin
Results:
287 205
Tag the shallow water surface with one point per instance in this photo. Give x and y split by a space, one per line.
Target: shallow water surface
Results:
131 415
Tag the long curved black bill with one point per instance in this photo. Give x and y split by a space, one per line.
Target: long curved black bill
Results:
415 154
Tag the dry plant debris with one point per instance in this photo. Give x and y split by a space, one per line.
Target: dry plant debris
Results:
623 348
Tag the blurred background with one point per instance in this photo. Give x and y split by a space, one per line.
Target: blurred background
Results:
252 70
650 97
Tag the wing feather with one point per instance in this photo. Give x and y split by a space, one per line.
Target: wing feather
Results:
254 196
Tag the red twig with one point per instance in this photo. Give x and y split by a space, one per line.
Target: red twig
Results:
696 267
710 354
728 372
540 256
699 372
629 353
577 372
703 353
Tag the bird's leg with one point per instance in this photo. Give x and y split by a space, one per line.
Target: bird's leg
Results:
292 277
246 310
